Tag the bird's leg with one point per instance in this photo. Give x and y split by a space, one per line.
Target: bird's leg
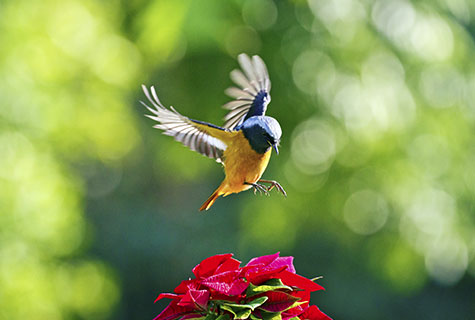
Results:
258 187
273 184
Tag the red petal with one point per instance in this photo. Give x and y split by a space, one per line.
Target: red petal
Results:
285 316
219 296
173 311
187 302
234 289
195 299
208 266
292 279
200 297
228 265
167 296
283 261
313 313
228 277
304 295
276 307
278 301
227 283
185 285
265 260
279 296
256 277
273 261
295 311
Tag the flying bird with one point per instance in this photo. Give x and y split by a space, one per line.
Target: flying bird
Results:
243 145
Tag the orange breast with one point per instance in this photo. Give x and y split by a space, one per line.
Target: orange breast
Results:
242 164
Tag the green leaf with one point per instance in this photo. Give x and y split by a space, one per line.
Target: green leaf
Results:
230 309
250 305
244 314
243 311
257 302
270 315
239 313
269 285
211 316
223 317
297 303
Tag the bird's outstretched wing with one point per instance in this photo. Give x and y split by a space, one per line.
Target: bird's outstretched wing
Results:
197 135
253 94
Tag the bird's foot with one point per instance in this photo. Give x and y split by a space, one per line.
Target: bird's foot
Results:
259 187
273 184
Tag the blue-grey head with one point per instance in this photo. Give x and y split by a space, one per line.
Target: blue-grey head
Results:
262 132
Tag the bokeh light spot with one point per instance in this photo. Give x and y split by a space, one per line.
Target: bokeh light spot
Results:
394 18
365 212
426 35
312 70
432 38
432 211
332 11
447 260
313 146
260 14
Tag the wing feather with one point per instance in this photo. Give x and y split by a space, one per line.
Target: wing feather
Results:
240 79
249 69
205 138
231 105
252 95
242 110
240 93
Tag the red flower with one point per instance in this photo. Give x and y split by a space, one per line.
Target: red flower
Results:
216 264
173 311
313 313
273 261
266 287
294 280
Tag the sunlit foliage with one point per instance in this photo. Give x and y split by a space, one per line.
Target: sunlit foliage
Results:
64 73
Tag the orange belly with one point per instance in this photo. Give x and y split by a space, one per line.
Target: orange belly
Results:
242 164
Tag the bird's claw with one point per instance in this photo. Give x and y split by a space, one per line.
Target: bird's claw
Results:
275 184
259 187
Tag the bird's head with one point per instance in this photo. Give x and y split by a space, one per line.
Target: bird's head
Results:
263 133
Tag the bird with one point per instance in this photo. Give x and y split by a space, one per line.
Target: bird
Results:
243 145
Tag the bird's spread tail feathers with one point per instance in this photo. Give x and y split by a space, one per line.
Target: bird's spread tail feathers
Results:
208 203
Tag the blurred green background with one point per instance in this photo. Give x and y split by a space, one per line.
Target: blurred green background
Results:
376 98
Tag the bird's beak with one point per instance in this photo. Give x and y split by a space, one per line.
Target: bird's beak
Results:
276 148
